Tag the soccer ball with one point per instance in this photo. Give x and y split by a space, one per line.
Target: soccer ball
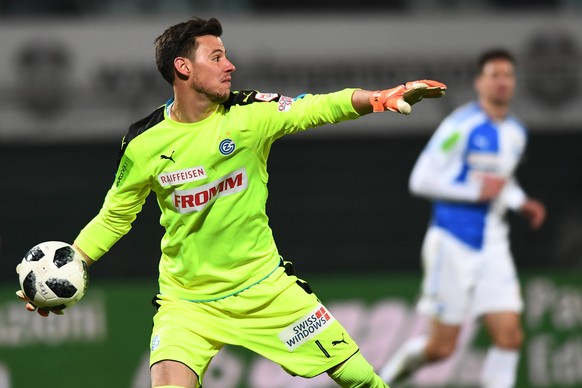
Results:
53 275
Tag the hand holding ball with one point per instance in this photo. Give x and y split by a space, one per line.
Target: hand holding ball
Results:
53 276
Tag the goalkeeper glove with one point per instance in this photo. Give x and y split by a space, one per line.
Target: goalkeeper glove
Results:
400 98
32 307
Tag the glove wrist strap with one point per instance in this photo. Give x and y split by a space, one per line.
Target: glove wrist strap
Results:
376 101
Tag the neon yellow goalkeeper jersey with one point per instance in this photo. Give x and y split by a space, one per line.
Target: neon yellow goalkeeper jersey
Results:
210 179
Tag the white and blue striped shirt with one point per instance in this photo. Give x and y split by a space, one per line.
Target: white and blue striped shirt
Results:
465 146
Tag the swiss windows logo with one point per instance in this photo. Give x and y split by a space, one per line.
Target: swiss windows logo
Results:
322 312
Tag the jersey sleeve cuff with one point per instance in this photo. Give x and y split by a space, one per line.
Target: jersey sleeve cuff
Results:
92 248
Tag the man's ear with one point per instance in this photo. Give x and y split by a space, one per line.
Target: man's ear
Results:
183 67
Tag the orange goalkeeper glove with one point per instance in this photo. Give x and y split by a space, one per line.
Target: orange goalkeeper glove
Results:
400 98
32 307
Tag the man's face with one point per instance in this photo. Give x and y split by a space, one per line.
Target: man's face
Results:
496 83
212 70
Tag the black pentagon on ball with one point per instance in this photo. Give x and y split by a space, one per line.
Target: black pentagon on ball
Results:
35 254
61 287
63 256
29 285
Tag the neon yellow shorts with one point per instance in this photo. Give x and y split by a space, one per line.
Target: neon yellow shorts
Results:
276 318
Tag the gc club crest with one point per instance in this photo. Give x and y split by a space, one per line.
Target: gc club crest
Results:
226 147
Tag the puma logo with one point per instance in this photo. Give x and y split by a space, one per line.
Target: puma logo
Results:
334 343
168 157
247 95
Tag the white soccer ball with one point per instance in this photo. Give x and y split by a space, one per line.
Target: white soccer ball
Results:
53 275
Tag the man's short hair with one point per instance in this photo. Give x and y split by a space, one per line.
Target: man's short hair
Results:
491 55
180 41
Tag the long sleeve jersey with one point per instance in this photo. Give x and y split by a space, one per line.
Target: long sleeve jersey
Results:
210 180
449 170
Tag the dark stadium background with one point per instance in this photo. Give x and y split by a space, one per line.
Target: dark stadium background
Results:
336 205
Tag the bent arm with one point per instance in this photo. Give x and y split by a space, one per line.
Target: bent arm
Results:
123 202
513 195
432 177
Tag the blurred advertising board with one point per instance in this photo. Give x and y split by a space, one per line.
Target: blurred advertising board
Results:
91 78
103 341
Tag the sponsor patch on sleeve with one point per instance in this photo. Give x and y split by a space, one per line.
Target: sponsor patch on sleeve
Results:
125 166
266 97
285 103
306 328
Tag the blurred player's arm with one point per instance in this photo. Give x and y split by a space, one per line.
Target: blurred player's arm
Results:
435 174
517 200
534 211
430 178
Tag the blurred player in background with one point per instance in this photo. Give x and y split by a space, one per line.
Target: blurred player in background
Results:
222 280
467 171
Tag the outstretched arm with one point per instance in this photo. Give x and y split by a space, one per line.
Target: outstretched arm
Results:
398 99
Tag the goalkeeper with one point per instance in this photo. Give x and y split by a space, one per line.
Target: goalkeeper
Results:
221 278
